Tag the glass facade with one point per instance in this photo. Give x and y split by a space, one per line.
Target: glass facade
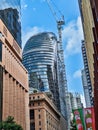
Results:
40 59
10 15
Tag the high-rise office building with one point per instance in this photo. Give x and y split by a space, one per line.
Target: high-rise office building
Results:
10 15
40 59
89 9
86 89
14 96
94 5
74 102
87 86
88 24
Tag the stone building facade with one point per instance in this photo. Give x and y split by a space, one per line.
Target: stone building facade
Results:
43 113
14 97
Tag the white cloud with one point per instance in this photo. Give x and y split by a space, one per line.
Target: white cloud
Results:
77 74
24 6
72 36
30 32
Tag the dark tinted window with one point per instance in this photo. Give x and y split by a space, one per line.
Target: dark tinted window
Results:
10 15
0 51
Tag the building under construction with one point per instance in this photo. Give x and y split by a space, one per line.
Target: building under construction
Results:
61 73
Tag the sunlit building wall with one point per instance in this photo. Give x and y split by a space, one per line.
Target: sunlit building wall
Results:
94 5
88 24
14 90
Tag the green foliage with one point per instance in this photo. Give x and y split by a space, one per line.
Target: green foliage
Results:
9 124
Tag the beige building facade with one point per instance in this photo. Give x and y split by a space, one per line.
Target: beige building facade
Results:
88 24
14 97
43 114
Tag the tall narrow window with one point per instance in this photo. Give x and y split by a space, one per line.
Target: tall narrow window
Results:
39 122
0 51
39 116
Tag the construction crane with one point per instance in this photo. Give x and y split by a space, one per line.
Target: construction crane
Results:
62 82
60 21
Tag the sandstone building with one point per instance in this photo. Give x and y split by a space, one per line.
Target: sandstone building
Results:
43 113
14 97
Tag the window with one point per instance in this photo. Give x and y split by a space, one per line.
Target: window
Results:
39 116
31 114
39 122
32 104
38 96
40 129
38 103
0 51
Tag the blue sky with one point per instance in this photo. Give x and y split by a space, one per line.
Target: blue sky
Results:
37 17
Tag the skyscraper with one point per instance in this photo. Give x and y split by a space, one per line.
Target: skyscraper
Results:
89 9
87 86
88 24
74 102
10 15
94 5
86 89
40 59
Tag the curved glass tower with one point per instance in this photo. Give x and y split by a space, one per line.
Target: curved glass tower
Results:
10 15
40 59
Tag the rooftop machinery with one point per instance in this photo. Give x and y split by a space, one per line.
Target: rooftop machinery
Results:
62 82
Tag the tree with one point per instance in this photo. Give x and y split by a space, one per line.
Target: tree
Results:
9 124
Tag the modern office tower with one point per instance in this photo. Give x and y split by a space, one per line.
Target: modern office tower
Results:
86 89
40 59
14 96
74 102
43 113
86 78
94 5
88 24
10 15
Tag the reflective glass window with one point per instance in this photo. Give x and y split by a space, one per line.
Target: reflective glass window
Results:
10 15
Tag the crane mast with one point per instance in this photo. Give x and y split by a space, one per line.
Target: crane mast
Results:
62 82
